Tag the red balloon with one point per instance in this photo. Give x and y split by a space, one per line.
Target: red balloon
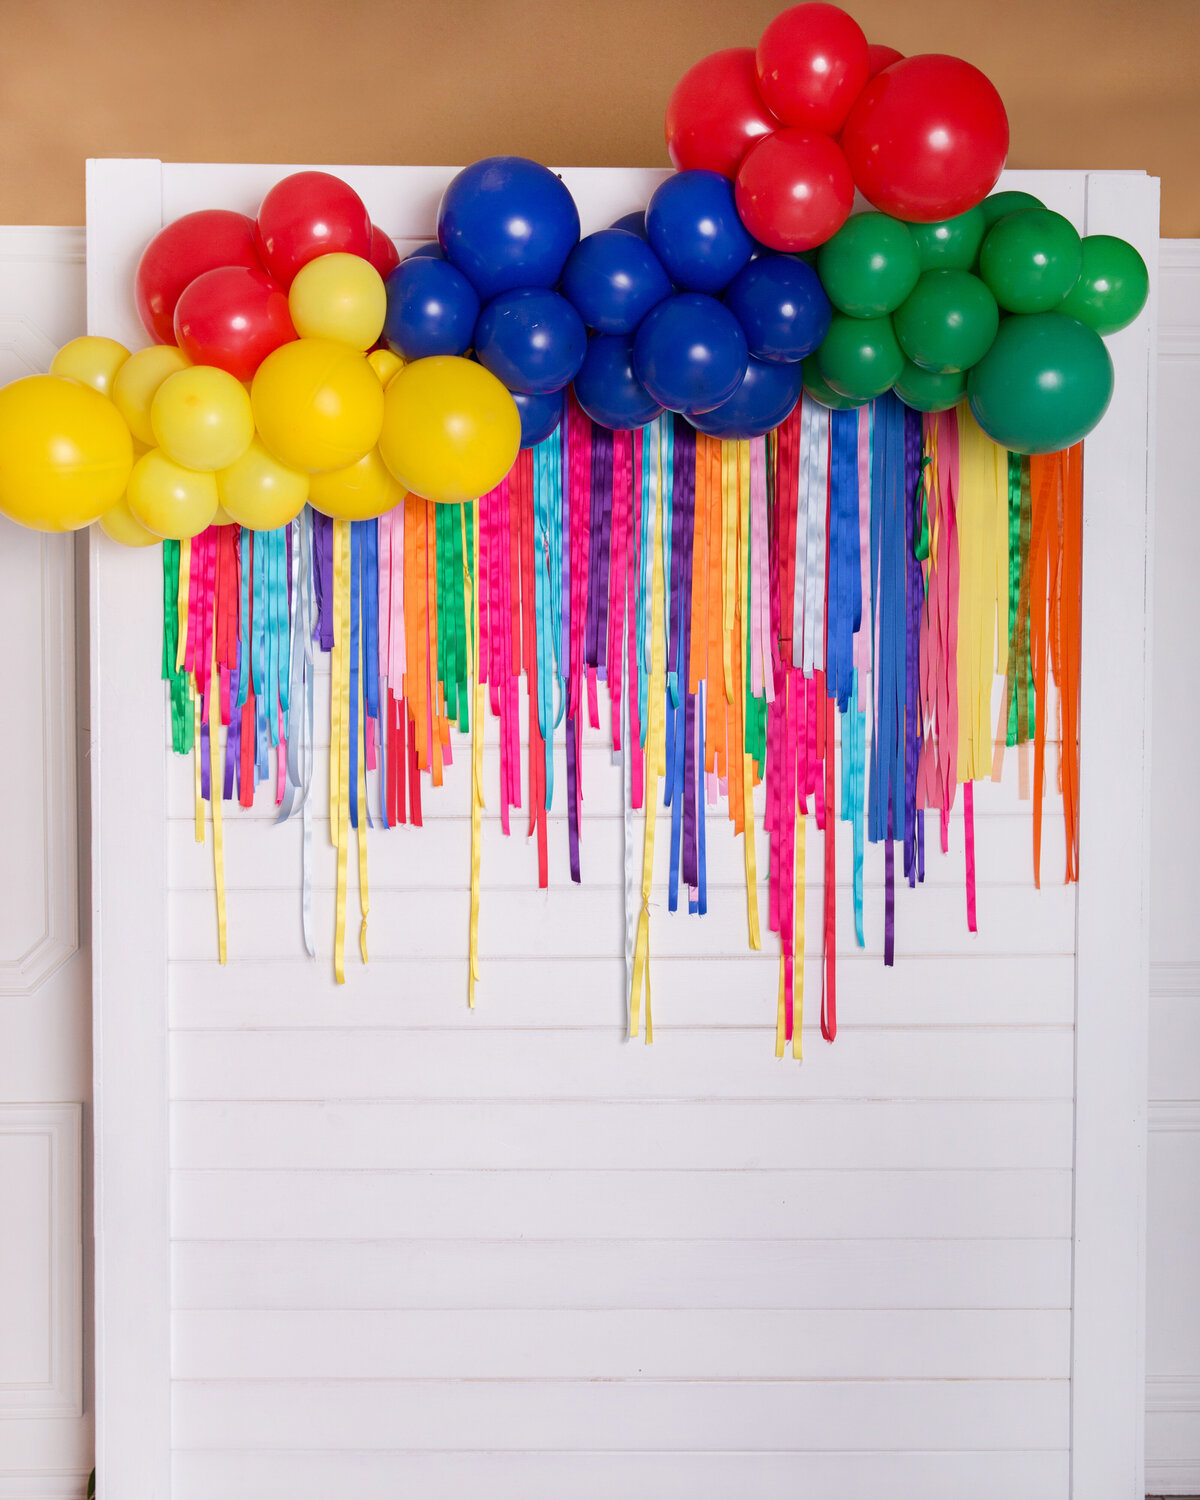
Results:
812 65
182 251
794 189
232 318
880 57
384 256
927 138
306 215
716 113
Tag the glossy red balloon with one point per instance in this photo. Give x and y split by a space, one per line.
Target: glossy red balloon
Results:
716 113
794 189
232 318
306 215
812 65
879 57
182 251
927 138
384 256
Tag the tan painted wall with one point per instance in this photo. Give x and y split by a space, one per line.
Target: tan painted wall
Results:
1088 83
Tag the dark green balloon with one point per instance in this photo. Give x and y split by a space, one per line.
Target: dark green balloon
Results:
1043 385
951 244
948 323
869 266
1112 287
1011 202
860 357
925 390
1031 260
816 386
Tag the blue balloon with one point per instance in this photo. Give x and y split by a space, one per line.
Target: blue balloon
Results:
766 396
613 279
607 388
693 226
430 251
507 222
431 309
635 223
690 353
781 306
540 416
531 339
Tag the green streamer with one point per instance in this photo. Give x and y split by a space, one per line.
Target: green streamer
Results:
182 717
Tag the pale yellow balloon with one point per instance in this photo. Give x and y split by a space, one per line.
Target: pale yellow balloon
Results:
202 418
385 364
137 383
359 492
92 360
121 525
318 405
168 499
338 297
222 518
260 492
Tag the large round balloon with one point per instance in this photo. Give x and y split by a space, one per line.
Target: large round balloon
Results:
996 205
781 306
927 138
1112 287
201 418
819 389
137 382
869 266
170 500
690 353
794 189
613 278
763 400
951 244
949 321
65 453
507 222
532 340
607 386
927 390
93 361
1031 260
359 492
182 251
258 491
860 357
812 65
317 405
306 215
450 429
339 297
540 416
716 113
693 226
1044 384
233 318
431 309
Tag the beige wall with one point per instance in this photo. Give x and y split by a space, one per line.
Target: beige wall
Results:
1088 83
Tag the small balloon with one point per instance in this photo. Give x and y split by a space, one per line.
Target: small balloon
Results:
634 222
694 230
507 222
716 113
185 249
762 401
137 382
119 524
429 251
360 492
926 390
690 353
997 205
813 63
613 278
1031 260
781 306
860 357
318 405
92 361
794 189
338 297
201 418
532 340
879 57
1113 285
233 318
258 491
384 256
306 215
431 309
540 416
385 364
949 321
607 387
950 244
170 500
869 266
819 389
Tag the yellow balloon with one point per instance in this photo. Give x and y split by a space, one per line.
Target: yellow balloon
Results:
202 418
138 380
65 453
451 431
260 492
338 297
359 492
122 526
318 405
170 500
221 517
385 364
94 361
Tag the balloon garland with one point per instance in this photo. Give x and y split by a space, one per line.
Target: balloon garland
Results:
741 458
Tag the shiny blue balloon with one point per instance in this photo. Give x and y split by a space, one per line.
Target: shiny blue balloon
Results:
430 251
693 226
531 339
431 309
507 222
540 416
635 223
613 279
690 353
607 388
781 306
764 399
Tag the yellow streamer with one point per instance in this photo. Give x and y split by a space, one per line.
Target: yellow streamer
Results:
339 778
729 550
473 676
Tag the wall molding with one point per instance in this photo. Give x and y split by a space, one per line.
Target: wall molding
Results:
1180 1116
1175 979
43 1484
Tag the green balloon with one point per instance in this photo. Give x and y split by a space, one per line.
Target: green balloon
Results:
926 390
1031 260
951 244
1112 287
816 386
1043 385
1011 202
860 357
869 266
948 323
